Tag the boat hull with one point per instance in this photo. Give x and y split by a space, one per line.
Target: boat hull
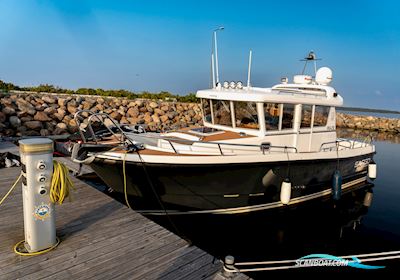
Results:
224 188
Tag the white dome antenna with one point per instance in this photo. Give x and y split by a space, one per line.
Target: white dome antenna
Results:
323 76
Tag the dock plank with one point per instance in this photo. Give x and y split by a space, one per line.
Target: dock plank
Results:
100 239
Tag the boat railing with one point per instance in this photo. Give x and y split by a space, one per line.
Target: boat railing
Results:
263 147
340 143
123 137
101 117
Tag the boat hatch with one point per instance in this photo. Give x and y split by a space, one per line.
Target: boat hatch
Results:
205 131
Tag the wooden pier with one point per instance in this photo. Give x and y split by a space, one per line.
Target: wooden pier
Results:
100 239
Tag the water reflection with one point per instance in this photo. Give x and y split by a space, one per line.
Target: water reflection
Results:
318 226
363 134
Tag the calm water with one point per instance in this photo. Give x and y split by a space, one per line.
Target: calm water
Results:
350 227
381 115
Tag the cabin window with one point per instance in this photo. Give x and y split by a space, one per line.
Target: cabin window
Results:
272 114
321 115
287 116
306 116
222 112
205 103
246 115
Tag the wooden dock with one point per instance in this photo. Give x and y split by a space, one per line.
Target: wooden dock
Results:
100 239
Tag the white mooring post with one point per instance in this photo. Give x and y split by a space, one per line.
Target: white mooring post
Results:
39 214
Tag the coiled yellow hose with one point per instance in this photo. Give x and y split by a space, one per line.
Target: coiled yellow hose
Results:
19 249
61 183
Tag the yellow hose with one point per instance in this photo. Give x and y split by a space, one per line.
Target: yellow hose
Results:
11 189
18 245
61 183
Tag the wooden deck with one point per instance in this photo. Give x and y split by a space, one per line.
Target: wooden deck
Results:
100 239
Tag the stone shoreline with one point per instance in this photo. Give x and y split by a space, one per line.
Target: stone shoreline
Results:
50 114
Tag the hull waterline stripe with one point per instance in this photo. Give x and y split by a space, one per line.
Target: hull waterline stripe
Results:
246 209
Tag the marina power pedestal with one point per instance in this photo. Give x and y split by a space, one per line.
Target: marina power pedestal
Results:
39 215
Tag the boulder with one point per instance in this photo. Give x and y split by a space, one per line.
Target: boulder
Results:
49 99
164 118
87 104
116 115
165 108
133 120
155 118
108 122
33 125
148 118
100 107
62 102
15 121
25 107
139 103
50 110
44 132
8 110
41 116
153 104
159 112
72 107
61 126
124 121
132 104
26 119
133 112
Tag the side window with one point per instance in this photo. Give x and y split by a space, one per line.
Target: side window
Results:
287 117
246 115
321 115
271 113
205 103
306 113
222 112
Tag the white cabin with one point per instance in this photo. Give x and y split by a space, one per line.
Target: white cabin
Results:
300 115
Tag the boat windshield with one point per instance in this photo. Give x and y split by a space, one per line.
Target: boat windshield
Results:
272 113
246 115
222 112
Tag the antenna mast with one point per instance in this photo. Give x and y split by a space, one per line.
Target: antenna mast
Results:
214 57
249 71
213 70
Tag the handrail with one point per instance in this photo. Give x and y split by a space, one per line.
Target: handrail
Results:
98 115
105 115
76 119
219 144
351 142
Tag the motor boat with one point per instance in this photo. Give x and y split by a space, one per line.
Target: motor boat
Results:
257 149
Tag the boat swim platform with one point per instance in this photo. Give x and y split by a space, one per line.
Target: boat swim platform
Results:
100 239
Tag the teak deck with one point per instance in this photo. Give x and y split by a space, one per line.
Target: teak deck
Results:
100 239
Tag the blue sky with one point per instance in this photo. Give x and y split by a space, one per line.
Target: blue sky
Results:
165 45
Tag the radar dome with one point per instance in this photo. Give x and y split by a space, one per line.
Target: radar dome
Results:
323 76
